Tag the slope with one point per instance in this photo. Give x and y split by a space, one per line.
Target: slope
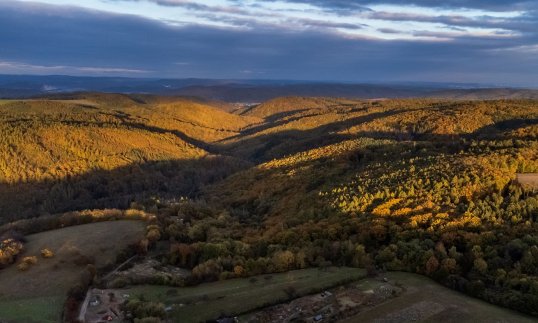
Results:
82 137
417 185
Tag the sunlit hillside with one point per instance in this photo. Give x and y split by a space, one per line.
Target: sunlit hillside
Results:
312 122
43 142
415 185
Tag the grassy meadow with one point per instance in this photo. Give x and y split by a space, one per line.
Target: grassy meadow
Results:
231 297
426 301
40 292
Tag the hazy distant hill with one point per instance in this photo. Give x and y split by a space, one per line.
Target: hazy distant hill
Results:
259 93
20 86
486 94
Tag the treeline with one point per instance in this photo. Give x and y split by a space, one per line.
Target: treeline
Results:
52 222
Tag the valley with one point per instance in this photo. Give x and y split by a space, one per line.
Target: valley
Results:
320 194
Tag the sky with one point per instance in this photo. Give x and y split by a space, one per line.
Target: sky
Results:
462 41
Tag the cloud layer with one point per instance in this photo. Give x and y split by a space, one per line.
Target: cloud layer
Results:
461 41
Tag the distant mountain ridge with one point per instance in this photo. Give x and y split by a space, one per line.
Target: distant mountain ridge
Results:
24 86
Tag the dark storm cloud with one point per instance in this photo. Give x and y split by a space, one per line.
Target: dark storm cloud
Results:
41 36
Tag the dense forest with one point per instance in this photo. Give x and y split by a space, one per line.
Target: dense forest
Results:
418 185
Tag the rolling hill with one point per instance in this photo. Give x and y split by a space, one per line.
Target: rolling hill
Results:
418 185
45 142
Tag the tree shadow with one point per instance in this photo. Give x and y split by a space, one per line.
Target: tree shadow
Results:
264 147
500 130
116 188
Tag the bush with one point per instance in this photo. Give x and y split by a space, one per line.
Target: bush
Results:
47 253
32 260
23 266
9 249
142 310
27 262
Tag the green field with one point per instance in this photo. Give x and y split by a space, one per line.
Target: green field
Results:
427 301
232 297
30 310
38 293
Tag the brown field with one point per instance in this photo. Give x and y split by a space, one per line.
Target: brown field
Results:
528 180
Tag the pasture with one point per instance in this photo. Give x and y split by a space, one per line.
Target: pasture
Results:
37 294
427 301
236 296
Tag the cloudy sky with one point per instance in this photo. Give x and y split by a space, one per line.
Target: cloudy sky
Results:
470 41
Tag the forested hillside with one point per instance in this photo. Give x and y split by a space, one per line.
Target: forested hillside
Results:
423 185
101 150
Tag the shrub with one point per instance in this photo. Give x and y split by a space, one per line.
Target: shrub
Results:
141 309
153 234
23 266
26 263
9 249
31 260
47 253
